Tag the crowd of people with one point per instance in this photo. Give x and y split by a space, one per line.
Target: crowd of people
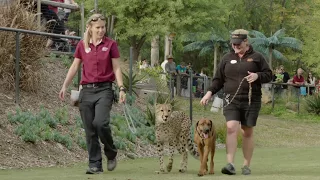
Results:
302 85
181 71
55 19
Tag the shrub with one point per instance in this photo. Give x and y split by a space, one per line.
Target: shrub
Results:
313 104
62 116
82 142
19 15
34 127
120 143
151 115
126 81
79 123
65 140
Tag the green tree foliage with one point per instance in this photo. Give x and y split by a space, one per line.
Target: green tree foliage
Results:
213 43
138 21
268 46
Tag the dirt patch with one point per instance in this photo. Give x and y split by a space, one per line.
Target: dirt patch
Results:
15 153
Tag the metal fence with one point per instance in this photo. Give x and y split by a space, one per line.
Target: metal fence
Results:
17 52
294 89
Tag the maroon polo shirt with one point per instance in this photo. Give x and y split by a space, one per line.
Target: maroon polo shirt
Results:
96 62
297 79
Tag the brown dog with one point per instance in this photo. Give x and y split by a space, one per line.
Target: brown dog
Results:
205 138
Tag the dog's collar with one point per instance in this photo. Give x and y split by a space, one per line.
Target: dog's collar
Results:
201 135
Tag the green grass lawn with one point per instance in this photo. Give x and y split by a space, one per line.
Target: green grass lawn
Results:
286 149
268 163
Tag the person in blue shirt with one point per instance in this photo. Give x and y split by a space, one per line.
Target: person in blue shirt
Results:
181 68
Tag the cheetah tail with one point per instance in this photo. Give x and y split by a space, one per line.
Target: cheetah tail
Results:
192 149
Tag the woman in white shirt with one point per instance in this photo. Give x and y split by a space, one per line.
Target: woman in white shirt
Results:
311 80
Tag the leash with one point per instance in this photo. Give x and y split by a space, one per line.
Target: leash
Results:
249 94
127 116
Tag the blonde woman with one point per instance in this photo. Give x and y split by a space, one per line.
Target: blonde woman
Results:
100 58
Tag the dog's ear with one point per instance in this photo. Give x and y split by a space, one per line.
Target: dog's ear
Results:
197 124
211 127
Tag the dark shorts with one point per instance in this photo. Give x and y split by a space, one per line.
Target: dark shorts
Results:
240 110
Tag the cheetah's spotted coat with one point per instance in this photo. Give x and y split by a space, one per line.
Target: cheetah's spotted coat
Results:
174 128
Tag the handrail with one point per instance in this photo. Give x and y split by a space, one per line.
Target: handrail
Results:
58 4
39 33
17 53
291 84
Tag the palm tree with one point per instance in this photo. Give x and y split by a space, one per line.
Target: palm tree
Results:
215 43
268 46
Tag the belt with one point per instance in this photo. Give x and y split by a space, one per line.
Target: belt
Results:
97 85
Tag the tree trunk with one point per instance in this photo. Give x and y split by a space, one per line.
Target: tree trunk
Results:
166 46
215 59
282 13
155 50
270 16
270 57
136 44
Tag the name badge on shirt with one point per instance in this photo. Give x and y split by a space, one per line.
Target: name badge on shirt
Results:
233 61
88 50
104 49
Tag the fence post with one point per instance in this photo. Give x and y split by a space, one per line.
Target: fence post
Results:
299 93
96 6
17 68
130 72
272 86
39 14
205 84
82 35
171 86
191 89
178 89
112 26
108 26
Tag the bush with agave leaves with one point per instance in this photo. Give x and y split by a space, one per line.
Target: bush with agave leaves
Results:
135 80
313 104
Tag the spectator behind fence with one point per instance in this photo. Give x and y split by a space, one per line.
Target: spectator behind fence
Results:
54 8
311 80
181 68
144 64
298 78
170 69
286 77
278 78
53 23
68 11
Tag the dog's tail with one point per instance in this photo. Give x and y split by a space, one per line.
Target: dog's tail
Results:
192 148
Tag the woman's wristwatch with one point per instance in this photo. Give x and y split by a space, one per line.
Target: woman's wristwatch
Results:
122 88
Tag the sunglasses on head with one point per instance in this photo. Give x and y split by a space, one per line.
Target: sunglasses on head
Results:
97 18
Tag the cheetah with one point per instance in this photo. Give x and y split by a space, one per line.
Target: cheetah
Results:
174 128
